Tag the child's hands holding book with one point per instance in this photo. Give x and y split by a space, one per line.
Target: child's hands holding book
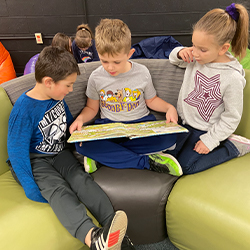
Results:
76 125
171 115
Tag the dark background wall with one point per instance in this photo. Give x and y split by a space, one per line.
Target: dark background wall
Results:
20 19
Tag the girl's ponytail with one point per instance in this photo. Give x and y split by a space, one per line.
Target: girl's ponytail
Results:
240 40
84 36
84 30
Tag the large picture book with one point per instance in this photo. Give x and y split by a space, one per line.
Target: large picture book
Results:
132 131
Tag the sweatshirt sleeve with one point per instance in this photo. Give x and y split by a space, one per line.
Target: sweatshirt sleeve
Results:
230 118
75 51
18 143
91 91
175 60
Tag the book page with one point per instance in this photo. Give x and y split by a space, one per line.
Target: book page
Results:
117 130
155 128
99 132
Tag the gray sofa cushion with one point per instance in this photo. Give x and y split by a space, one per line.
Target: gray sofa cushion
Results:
167 80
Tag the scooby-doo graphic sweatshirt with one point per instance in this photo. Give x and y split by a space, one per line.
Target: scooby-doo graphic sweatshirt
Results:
211 97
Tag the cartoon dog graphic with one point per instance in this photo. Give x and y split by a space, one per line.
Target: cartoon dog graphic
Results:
119 95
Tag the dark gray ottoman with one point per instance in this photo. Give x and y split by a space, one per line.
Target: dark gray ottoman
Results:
142 194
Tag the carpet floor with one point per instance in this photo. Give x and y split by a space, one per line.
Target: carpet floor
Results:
163 245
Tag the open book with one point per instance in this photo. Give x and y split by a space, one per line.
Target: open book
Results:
117 130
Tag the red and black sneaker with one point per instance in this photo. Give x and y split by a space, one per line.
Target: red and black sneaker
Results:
110 236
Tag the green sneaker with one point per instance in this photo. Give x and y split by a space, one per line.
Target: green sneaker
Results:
89 165
165 163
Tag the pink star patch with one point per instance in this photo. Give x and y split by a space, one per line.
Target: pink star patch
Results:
206 96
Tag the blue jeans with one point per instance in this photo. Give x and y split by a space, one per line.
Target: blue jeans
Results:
192 162
125 153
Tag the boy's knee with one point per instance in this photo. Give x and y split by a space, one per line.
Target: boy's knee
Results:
82 150
65 158
166 142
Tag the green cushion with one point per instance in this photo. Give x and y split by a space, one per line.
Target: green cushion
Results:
244 126
245 62
210 210
34 224
5 108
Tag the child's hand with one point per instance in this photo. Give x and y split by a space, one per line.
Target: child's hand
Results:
171 115
201 148
186 54
76 125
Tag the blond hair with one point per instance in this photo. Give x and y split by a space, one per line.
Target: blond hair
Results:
112 36
225 29
84 36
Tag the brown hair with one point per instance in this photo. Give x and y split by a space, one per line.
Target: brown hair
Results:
225 29
56 63
62 41
84 36
112 36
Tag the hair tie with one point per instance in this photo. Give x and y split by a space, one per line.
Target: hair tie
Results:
231 10
83 28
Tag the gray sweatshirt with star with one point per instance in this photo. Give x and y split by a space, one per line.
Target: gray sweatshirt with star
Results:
211 97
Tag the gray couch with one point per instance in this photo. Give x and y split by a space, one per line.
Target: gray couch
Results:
208 210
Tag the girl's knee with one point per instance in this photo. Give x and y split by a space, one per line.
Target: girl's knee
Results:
187 171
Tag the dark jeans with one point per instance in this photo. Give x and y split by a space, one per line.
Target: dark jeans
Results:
126 153
192 162
68 189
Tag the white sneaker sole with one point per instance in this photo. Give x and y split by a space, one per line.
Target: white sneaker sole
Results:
117 231
239 138
86 166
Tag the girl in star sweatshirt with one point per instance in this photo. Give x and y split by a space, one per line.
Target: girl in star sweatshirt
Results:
210 101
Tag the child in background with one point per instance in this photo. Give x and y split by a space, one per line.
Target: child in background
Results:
46 169
210 101
63 41
107 89
60 39
83 46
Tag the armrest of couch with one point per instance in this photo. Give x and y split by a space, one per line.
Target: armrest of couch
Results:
210 209
5 108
